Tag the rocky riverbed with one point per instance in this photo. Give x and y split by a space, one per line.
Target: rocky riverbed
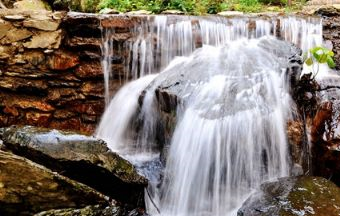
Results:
49 170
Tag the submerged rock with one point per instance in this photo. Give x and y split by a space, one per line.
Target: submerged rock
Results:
27 188
294 196
79 157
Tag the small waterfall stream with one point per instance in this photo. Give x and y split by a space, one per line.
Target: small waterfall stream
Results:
234 103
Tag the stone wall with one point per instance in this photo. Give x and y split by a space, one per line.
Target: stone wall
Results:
50 65
331 29
50 69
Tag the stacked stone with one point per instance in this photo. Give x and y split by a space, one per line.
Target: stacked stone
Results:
50 69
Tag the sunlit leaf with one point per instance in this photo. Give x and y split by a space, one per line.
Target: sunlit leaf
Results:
330 62
309 61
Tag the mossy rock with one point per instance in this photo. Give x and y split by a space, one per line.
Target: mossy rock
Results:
27 188
294 196
82 158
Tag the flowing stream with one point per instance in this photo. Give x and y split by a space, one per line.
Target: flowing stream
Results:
233 104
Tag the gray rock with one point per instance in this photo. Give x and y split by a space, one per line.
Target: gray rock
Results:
294 196
27 188
83 158
96 210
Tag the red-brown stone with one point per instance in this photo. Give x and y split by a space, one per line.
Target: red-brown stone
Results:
38 119
63 60
88 70
11 111
90 108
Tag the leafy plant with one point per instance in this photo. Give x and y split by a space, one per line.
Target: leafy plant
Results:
319 55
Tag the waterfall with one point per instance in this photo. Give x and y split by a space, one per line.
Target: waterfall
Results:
157 40
233 107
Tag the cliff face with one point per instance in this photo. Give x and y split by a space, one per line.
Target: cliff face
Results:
50 69
50 65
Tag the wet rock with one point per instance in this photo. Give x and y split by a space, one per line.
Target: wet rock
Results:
29 103
27 188
96 210
296 140
82 43
94 89
45 40
294 196
23 85
60 95
63 60
82 25
85 159
63 114
88 107
89 70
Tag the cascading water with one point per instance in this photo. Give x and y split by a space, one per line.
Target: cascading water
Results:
232 112
159 39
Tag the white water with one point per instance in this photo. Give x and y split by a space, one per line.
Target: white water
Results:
159 39
230 134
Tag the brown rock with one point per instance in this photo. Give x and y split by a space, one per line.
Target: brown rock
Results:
26 103
95 89
323 115
90 108
6 52
295 134
31 5
45 40
11 111
38 119
23 85
64 94
4 28
28 188
84 43
63 114
63 60
119 22
71 124
35 58
42 24
89 70
15 35
17 17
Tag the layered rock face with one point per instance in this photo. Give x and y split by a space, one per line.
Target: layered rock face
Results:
50 69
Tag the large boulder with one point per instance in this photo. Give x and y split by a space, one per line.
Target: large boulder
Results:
79 157
294 196
27 188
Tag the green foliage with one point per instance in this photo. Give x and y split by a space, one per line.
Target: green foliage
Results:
197 7
319 55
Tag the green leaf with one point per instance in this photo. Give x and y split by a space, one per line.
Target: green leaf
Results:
323 58
309 61
330 62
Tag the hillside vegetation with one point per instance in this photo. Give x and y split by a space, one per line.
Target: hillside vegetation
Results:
188 6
